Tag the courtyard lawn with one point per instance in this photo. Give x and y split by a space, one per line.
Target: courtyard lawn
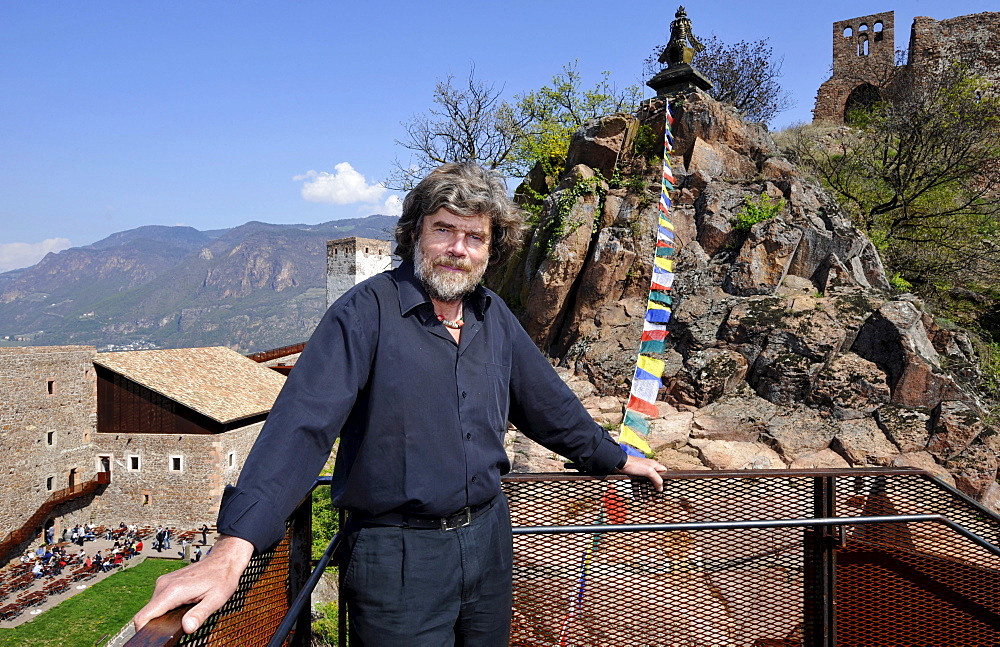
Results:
102 609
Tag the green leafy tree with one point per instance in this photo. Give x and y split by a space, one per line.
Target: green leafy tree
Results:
473 122
325 521
744 75
554 112
920 172
326 625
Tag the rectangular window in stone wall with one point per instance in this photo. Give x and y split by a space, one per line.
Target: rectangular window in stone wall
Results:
48 483
231 459
50 438
176 463
134 463
51 385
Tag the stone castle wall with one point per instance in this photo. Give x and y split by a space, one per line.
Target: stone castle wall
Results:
159 493
863 48
48 412
45 436
973 40
864 53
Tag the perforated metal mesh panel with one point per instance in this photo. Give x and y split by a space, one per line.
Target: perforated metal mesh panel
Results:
753 586
754 565
915 584
251 616
712 587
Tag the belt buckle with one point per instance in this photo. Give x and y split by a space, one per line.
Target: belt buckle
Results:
464 518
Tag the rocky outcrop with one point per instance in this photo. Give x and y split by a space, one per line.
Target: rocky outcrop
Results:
787 347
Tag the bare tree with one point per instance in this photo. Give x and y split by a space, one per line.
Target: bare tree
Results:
466 123
744 75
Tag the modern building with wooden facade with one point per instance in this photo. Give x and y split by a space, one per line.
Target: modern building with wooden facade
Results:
161 432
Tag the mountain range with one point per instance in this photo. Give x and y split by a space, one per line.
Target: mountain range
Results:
252 287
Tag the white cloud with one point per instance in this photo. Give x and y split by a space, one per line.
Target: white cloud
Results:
15 255
343 186
393 206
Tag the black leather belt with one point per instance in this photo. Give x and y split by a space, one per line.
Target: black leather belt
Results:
459 519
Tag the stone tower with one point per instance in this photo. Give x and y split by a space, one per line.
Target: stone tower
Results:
864 53
350 261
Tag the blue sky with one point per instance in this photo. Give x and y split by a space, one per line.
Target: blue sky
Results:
115 115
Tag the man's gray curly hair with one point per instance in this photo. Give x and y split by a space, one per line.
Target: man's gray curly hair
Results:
465 189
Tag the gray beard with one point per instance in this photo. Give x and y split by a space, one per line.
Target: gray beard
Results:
442 285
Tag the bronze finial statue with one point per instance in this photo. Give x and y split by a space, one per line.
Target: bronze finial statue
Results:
677 50
679 76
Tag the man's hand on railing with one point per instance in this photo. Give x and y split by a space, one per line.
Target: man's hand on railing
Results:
646 468
207 584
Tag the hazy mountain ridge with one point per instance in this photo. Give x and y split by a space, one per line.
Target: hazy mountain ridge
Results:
177 236
254 286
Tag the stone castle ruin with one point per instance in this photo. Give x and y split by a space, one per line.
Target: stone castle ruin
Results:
865 58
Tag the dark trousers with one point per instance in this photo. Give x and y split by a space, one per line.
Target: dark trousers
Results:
413 587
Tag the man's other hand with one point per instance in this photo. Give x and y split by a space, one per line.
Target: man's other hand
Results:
207 584
646 468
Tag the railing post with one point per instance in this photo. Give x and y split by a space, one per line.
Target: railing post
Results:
819 605
299 569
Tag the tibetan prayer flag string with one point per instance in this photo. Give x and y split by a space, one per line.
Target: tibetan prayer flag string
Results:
647 379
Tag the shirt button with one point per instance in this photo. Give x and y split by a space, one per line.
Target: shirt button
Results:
468 436
463 394
473 479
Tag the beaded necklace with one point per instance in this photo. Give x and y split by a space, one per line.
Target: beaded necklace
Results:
454 325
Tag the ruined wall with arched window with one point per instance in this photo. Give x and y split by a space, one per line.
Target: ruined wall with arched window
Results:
864 56
863 49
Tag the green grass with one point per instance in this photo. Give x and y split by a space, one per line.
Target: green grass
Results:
104 608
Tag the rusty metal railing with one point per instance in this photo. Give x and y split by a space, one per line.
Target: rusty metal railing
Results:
756 558
265 595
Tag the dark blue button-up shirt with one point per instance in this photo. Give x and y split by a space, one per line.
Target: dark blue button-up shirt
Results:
421 419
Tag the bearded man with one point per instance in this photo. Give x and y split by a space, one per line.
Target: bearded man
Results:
417 371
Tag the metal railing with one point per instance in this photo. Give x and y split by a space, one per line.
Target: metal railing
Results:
731 559
275 353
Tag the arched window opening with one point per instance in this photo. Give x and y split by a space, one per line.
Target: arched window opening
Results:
863 27
863 46
878 27
861 99
848 32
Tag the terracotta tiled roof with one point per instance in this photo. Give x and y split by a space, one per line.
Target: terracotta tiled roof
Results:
216 381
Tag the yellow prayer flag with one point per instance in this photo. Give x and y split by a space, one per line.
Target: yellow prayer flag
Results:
651 365
629 437
664 263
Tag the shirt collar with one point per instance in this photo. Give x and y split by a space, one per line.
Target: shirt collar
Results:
412 293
